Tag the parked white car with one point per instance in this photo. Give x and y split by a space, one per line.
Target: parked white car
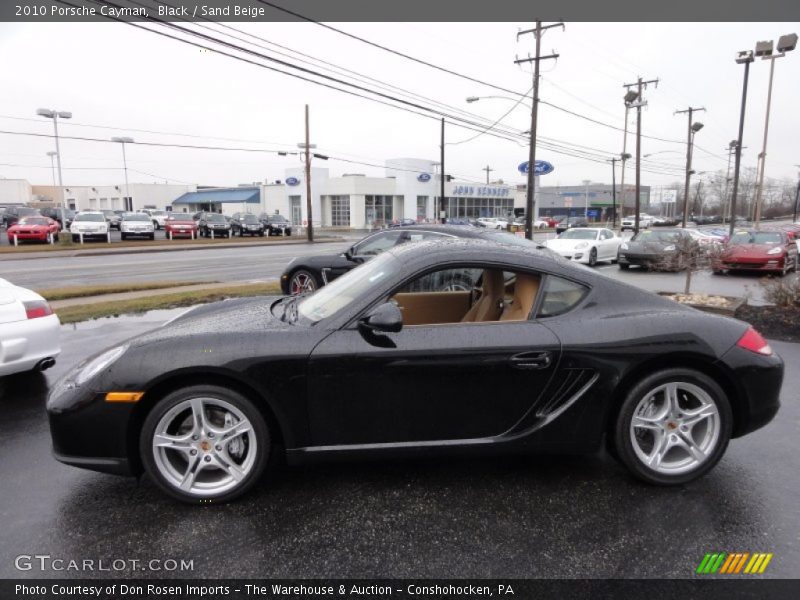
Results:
645 221
92 224
28 331
493 222
587 245
158 217
136 225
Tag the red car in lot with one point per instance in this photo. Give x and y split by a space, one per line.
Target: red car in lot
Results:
753 250
180 225
33 229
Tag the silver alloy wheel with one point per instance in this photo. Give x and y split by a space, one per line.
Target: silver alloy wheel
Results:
204 446
675 428
302 283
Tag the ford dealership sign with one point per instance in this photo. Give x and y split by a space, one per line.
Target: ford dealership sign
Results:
541 167
424 177
292 181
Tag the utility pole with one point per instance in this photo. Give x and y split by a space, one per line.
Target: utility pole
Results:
441 180
624 155
310 228
796 196
691 129
638 102
613 162
488 170
538 31
730 149
745 57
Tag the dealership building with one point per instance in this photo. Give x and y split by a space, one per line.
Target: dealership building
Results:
596 201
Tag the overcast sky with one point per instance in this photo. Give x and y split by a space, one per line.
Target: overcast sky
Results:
115 75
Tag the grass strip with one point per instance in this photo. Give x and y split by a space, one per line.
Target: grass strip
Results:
83 291
74 314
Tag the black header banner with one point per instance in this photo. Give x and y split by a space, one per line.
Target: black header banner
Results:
406 10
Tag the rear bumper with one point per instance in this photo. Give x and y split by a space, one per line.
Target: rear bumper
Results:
26 343
759 379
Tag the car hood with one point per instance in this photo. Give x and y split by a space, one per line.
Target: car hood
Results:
250 315
646 247
559 244
182 222
750 250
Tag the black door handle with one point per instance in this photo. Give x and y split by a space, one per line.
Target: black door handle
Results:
531 360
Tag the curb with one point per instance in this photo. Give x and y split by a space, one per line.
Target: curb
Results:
161 248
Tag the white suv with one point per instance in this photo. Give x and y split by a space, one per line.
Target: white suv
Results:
92 224
645 221
159 217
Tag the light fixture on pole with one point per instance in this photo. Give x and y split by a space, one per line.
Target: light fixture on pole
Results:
764 50
52 154
745 57
55 115
125 140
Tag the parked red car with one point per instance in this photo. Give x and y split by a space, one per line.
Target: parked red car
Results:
180 225
753 250
37 229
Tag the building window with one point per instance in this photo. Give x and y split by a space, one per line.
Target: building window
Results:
297 211
378 210
340 211
422 207
478 207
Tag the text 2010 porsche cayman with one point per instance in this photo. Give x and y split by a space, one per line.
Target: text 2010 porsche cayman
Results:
540 355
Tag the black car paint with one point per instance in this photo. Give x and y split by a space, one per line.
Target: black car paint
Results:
651 253
246 223
323 386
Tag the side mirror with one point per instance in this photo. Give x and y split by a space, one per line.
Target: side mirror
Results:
384 317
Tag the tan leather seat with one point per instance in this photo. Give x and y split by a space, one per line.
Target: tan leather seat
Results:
525 290
489 306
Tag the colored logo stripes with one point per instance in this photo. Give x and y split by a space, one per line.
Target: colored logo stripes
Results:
734 563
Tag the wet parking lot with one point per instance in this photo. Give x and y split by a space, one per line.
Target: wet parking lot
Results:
545 516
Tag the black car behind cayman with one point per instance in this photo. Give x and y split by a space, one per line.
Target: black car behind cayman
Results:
656 248
539 356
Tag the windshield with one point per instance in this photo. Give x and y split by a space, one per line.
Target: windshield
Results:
179 217
278 218
33 221
578 234
248 218
756 237
656 236
136 217
215 218
27 211
157 213
91 217
332 298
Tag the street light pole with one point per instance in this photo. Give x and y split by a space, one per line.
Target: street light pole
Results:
55 114
125 140
613 162
731 147
630 98
690 131
744 57
586 182
764 49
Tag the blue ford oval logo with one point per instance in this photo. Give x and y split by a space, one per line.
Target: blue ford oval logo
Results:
292 181
541 167
424 177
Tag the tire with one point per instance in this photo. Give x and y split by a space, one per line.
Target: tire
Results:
673 427
623 266
718 272
593 257
152 237
123 237
222 472
302 281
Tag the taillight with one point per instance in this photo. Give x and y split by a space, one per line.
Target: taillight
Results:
37 308
752 340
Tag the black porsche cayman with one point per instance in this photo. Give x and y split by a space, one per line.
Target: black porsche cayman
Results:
538 355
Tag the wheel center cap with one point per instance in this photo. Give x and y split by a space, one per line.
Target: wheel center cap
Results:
672 425
205 446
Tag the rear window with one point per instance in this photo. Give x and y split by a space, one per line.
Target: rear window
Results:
216 218
137 217
560 296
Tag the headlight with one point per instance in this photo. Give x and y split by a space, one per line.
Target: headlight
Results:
582 245
669 248
98 363
775 250
623 246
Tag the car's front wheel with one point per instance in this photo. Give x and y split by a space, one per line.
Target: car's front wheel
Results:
302 282
673 426
204 444
593 257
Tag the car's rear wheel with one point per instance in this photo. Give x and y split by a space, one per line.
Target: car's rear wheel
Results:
673 427
302 282
624 266
204 444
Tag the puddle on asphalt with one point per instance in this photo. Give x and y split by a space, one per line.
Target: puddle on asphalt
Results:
152 316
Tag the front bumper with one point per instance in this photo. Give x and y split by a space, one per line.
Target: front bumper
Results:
27 237
188 232
642 260
772 264
25 343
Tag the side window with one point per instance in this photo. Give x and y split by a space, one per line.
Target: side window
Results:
560 296
377 243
